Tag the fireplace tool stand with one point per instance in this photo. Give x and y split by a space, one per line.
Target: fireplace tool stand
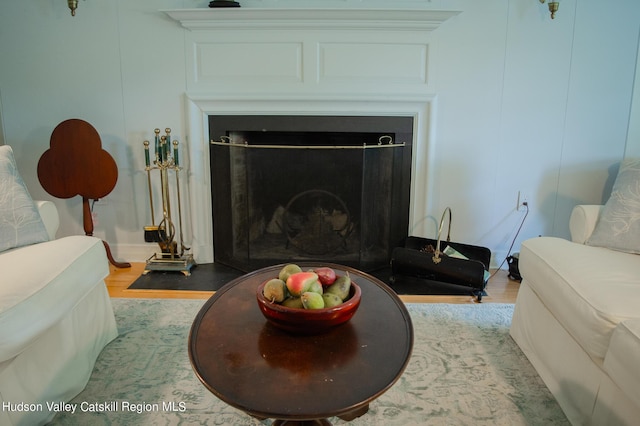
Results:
172 256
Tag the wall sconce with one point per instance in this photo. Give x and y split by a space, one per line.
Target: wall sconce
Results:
553 7
73 5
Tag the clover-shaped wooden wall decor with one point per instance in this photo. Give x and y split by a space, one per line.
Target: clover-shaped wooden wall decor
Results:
75 164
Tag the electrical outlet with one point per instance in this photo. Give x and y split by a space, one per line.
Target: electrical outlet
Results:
522 199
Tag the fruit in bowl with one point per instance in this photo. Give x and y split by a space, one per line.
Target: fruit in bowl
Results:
303 304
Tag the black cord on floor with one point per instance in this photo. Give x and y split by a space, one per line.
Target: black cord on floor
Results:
526 205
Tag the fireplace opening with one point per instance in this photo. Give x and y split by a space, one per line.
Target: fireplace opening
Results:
302 188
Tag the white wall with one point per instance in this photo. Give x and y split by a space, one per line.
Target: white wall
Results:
633 137
523 103
118 65
1 125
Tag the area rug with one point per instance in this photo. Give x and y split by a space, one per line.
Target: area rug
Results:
465 370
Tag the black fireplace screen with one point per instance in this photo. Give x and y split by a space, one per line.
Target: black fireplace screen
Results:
282 196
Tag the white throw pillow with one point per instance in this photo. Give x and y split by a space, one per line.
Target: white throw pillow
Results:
20 222
618 227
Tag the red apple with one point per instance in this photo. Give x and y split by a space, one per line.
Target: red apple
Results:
326 275
300 282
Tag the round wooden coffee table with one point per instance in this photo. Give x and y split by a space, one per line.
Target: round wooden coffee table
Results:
268 373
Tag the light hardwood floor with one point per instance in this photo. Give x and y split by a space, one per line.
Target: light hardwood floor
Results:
500 289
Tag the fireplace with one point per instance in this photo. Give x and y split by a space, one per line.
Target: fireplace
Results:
343 60
299 188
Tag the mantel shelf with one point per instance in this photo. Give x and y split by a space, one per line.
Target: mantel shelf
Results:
277 18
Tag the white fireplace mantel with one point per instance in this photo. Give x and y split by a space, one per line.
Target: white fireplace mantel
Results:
313 61
374 19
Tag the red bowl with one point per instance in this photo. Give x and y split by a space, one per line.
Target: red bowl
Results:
309 321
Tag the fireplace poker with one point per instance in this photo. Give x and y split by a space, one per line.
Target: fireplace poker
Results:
152 234
183 248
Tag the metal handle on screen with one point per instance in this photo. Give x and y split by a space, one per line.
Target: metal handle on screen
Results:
387 138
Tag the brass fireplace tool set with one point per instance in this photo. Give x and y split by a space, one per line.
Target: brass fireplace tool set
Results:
171 257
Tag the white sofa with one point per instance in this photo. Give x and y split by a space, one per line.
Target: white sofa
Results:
55 318
577 319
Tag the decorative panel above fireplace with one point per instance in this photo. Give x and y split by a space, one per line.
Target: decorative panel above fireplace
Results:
308 49
294 188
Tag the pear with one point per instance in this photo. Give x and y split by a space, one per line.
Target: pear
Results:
274 290
340 287
311 300
293 302
300 282
331 300
316 287
326 275
287 270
